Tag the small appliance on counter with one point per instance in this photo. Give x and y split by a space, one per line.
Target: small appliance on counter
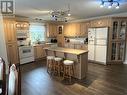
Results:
53 40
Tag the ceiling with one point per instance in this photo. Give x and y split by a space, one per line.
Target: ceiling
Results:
80 9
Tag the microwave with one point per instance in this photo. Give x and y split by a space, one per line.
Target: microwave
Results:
22 34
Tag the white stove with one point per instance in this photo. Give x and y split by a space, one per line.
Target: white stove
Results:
26 54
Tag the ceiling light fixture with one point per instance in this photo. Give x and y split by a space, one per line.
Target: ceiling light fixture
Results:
60 15
102 4
110 3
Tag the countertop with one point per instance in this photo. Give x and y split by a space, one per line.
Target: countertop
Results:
67 50
44 44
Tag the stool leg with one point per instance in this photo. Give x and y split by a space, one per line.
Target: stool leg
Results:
73 70
59 69
64 68
69 73
47 66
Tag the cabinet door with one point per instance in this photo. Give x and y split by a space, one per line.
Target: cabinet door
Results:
10 31
51 30
13 55
67 30
100 23
77 30
39 52
82 29
54 30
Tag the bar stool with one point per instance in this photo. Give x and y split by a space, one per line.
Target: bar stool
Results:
68 69
58 68
50 64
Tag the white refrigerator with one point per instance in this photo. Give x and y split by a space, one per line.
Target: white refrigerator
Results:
97 44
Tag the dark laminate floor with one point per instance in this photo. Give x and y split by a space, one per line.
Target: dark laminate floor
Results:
101 80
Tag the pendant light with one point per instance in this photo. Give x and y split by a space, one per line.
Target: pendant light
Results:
110 3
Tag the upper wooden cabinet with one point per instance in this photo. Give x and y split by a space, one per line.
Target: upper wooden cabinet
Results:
67 30
118 39
76 29
72 29
10 30
100 23
84 28
51 30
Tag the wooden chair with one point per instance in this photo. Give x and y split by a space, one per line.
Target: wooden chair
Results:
14 81
3 75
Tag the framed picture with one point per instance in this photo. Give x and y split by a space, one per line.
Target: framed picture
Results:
60 29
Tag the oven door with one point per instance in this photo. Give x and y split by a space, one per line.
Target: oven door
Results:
25 52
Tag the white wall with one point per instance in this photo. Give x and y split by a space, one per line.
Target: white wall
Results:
3 52
126 54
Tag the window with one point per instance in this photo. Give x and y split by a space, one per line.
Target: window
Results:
37 32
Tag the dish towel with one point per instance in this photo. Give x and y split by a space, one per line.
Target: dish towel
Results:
12 80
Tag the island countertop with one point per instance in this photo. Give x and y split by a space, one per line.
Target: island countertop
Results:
67 50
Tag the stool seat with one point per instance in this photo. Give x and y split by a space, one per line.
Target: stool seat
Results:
68 62
50 57
58 59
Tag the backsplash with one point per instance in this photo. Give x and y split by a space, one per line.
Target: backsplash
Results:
77 40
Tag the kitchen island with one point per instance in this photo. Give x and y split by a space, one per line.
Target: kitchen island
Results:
80 58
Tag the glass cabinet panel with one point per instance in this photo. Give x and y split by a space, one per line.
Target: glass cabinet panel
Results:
113 51
115 29
122 30
120 50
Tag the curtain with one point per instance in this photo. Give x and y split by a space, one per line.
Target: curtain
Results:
37 33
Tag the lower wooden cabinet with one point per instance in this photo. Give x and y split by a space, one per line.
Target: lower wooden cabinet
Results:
39 52
12 52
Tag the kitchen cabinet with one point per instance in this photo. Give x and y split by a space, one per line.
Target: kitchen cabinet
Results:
84 29
72 29
12 52
118 40
51 30
76 29
105 22
39 51
10 30
67 30
11 40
